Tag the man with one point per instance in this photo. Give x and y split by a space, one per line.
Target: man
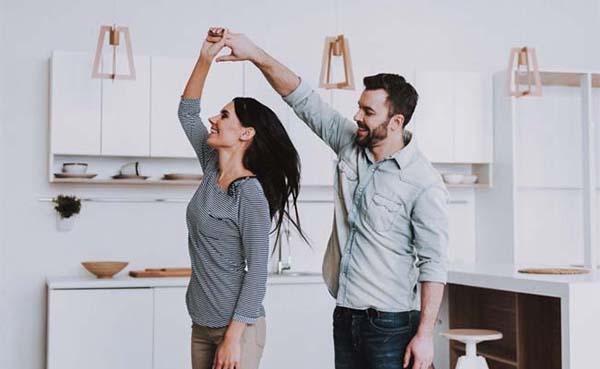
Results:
390 230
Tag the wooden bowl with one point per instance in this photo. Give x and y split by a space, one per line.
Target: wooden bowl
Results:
104 269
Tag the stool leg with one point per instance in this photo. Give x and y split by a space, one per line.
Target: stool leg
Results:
470 349
470 360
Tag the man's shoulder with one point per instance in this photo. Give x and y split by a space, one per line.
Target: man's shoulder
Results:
421 173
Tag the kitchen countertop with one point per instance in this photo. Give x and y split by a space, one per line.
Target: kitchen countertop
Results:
494 276
125 281
506 277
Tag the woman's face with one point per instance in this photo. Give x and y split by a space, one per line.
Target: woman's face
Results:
226 131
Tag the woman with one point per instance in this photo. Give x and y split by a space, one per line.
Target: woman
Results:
250 170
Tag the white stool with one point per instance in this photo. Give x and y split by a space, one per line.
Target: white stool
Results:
471 337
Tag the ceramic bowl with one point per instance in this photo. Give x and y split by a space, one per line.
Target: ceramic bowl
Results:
470 179
453 178
74 168
104 269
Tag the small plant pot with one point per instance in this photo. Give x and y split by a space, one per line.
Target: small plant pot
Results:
65 224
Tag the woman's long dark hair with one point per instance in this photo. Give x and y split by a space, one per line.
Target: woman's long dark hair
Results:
274 160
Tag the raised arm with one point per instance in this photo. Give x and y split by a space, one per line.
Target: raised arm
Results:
189 107
324 121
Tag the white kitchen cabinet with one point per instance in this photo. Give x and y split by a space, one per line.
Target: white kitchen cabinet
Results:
256 86
317 159
126 110
461 247
473 128
169 77
453 116
172 329
75 104
299 327
144 323
100 328
434 115
224 82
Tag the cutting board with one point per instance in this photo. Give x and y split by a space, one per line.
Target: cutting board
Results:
161 272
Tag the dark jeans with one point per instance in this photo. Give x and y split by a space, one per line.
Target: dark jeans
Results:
368 339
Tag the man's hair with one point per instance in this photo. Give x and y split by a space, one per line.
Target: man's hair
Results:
402 96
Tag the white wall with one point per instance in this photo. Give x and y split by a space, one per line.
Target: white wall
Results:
463 34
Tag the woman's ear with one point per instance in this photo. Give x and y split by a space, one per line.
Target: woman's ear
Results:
247 134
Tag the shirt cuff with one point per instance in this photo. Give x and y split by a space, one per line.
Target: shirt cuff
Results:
244 319
300 93
433 272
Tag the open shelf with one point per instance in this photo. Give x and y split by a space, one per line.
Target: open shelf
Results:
530 325
126 181
464 185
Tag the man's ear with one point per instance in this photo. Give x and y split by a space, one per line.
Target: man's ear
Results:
397 122
247 134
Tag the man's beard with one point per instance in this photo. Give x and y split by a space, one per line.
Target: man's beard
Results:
374 136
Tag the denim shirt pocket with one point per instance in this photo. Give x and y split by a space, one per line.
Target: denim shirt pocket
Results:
382 211
347 178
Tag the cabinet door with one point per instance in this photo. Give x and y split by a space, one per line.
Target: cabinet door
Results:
461 231
172 329
169 77
100 328
126 110
473 121
224 82
75 105
299 321
316 157
434 115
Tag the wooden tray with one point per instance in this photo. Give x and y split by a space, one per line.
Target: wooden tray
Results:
161 272
554 271
182 177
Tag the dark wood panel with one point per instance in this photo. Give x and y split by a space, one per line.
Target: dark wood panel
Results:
539 332
471 307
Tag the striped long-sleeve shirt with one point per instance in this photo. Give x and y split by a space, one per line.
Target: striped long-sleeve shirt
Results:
228 238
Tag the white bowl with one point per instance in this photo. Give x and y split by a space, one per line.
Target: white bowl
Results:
453 178
470 179
74 168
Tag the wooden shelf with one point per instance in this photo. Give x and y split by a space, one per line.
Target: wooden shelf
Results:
464 185
530 324
126 181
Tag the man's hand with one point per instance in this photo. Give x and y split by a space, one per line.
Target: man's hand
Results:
228 354
420 349
213 44
241 48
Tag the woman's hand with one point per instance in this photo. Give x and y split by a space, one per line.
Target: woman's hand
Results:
213 44
228 354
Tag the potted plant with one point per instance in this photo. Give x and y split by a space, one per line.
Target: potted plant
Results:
67 207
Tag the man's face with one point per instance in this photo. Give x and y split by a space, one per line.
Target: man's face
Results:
372 118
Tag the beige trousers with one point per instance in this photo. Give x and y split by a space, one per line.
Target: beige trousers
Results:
205 341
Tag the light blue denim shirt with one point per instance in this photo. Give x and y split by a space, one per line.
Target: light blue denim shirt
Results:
390 227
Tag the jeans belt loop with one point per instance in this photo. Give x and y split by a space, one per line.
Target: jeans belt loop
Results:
372 313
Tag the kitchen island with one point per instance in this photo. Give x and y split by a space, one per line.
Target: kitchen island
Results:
548 321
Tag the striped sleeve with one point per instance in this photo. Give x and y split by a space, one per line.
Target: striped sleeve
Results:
196 132
255 224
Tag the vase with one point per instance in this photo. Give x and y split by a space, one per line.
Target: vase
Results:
64 224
